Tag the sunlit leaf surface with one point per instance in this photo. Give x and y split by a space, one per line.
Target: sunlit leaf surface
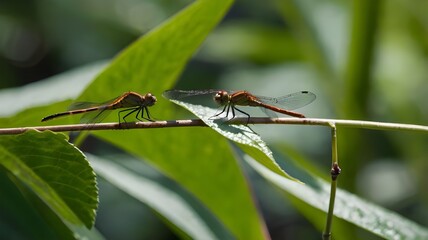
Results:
241 134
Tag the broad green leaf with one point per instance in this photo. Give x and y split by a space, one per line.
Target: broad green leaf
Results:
198 159
176 208
202 162
56 172
316 193
154 62
247 139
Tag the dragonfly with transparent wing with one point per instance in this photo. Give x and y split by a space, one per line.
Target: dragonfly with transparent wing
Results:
230 100
130 102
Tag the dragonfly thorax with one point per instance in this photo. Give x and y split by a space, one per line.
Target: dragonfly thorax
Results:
133 99
222 98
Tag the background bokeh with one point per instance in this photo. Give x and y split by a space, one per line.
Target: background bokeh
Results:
271 49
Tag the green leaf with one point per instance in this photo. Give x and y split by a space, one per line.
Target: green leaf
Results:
247 139
175 206
200 160
316 193
56 172
154 62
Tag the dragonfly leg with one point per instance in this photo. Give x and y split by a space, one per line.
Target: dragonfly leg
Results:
224 109
140 109
228 110
129 111
147 113
233 112
248 115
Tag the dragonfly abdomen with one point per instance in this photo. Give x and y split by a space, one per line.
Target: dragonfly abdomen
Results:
61 114
283 111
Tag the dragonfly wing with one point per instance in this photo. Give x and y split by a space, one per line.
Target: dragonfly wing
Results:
195 97
95 116
180 94
291 101
81 105
269 113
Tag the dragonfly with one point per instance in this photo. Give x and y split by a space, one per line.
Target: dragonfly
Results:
131 102
230 100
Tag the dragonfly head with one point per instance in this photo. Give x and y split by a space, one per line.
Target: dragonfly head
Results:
150 99
222 98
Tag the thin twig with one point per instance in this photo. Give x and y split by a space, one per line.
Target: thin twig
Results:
106 126
340 123
200 123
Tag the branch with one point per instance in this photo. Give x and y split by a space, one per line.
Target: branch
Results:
200 123
107 126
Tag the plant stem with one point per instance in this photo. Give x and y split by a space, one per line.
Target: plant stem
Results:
200 123
335 171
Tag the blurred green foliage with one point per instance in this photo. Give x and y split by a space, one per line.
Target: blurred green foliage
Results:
364 59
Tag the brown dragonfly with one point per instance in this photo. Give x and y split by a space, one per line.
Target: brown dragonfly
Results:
131 102
230 100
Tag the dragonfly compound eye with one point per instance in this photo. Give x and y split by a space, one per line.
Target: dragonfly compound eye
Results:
221 97
150 99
